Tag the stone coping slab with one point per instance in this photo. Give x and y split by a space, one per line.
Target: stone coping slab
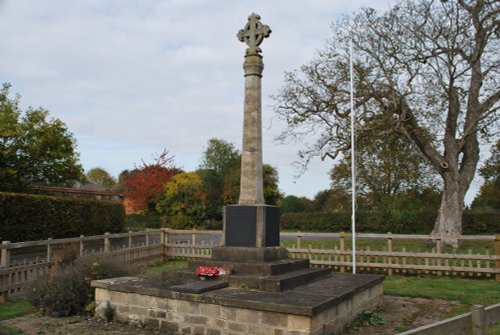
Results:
307 300
200 286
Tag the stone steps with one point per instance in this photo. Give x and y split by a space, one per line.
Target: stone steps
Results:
281 282
272 283
254 268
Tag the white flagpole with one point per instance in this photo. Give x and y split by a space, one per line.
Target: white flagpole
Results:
353 162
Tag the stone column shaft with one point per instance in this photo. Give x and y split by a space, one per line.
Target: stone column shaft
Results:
252 184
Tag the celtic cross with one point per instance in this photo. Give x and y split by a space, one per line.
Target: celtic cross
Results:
253 34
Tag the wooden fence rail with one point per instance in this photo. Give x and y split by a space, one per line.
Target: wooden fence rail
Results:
386 261
476 322
21 263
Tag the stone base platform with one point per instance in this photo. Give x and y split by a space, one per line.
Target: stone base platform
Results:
324 306
265 269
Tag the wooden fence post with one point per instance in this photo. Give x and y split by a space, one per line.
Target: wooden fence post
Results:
342 250
389 249
147 238
497 253
439 244
81 245
49 249
298 240
167 241
107 244
193 237
5 259
163 235
5 263
478 320
129 239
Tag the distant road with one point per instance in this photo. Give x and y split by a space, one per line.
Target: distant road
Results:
30 255
215 239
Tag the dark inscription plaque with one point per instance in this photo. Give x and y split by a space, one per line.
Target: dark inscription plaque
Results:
272 230
240 226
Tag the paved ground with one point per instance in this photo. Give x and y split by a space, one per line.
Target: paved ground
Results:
399 314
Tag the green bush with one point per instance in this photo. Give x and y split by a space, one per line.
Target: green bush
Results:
475 222
27 217
66 291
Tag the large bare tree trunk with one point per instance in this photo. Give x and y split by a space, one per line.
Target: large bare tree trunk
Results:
449 220
457 178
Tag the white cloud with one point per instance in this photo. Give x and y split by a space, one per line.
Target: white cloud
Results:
133 77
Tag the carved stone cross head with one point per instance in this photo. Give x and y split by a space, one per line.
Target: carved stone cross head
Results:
254 33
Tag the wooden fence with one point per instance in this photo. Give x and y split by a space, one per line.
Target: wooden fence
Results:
21 263
474 322
390 261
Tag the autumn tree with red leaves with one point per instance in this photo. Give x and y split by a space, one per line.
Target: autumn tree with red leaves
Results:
146 182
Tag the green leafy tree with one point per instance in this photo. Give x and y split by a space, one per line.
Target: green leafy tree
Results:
385 167
100 177
426 69
183 202
220 173
336 199
294 204
34 149
220 156
272 195
488 197
219 160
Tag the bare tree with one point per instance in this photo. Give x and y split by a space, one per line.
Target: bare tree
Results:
426 69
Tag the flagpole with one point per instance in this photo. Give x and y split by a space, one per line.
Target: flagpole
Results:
353 161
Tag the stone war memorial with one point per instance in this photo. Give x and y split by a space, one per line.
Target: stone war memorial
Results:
250 286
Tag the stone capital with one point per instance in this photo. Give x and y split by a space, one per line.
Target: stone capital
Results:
253 65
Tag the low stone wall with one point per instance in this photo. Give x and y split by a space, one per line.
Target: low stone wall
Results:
179 316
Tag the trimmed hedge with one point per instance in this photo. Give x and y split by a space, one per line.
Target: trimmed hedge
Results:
383 222
481 223
27 217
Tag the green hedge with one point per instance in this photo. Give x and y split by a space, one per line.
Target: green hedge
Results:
397 222
481 223
27 217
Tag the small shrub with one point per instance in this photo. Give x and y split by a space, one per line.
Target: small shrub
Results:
90 308
243 287
373 318
66 291
109 312
64 254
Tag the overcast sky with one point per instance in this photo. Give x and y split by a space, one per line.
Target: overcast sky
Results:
130 78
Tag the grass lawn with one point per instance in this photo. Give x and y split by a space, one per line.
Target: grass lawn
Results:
466 291
159 267
12 310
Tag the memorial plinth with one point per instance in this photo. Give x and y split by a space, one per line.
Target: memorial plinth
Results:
263 291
